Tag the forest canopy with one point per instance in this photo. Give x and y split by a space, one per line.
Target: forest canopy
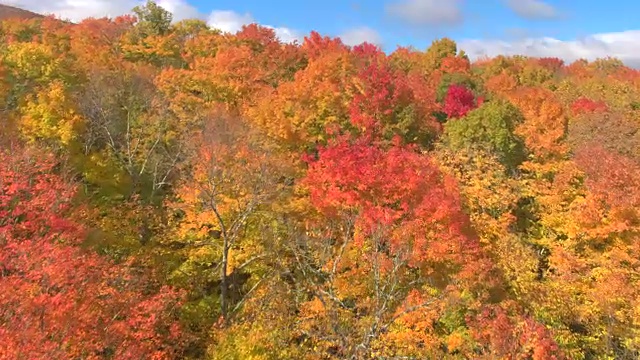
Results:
170 191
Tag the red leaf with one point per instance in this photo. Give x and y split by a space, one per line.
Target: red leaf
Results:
459 101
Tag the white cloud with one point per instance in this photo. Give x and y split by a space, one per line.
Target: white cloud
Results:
427 12
623 45
231 21
180 9
357 36
287 35
532 9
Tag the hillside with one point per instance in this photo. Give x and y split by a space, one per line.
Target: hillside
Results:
10 12
171 192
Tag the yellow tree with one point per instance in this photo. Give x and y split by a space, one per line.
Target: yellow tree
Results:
544 125
236 179
298 112
51 116
584 226
233 70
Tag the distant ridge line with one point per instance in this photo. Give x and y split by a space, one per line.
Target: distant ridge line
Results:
11 12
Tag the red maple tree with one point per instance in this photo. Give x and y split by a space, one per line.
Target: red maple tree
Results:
58 301
459 101
397 189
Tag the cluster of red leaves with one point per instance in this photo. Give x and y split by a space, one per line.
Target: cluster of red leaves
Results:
396 192
584 105
551 63
368 51
513 337
58 301
386 91
459 101
613 177
379 97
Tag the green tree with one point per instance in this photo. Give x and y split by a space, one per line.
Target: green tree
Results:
153 19
490 128
439 49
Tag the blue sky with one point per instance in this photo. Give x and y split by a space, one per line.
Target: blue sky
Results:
480 19
569 29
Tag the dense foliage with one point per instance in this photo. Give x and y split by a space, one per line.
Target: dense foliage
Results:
168 191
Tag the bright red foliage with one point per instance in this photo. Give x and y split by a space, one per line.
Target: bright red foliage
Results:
459 101
551 63
585 105
513 337
384 97
397 191
367 50
378 97
612 177
56 300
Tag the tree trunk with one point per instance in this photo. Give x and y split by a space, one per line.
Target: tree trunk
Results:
224 286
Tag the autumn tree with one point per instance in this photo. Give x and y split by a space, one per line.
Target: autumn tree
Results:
152 39
30 66
491 128
585 105
385 105
584 223
299 112
58 300
129 130
459 101
545 121
497 204
97 41
613 131
393 208
152 19
236 179
315 45
404 59
503 335
553 64
438 50
235 71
